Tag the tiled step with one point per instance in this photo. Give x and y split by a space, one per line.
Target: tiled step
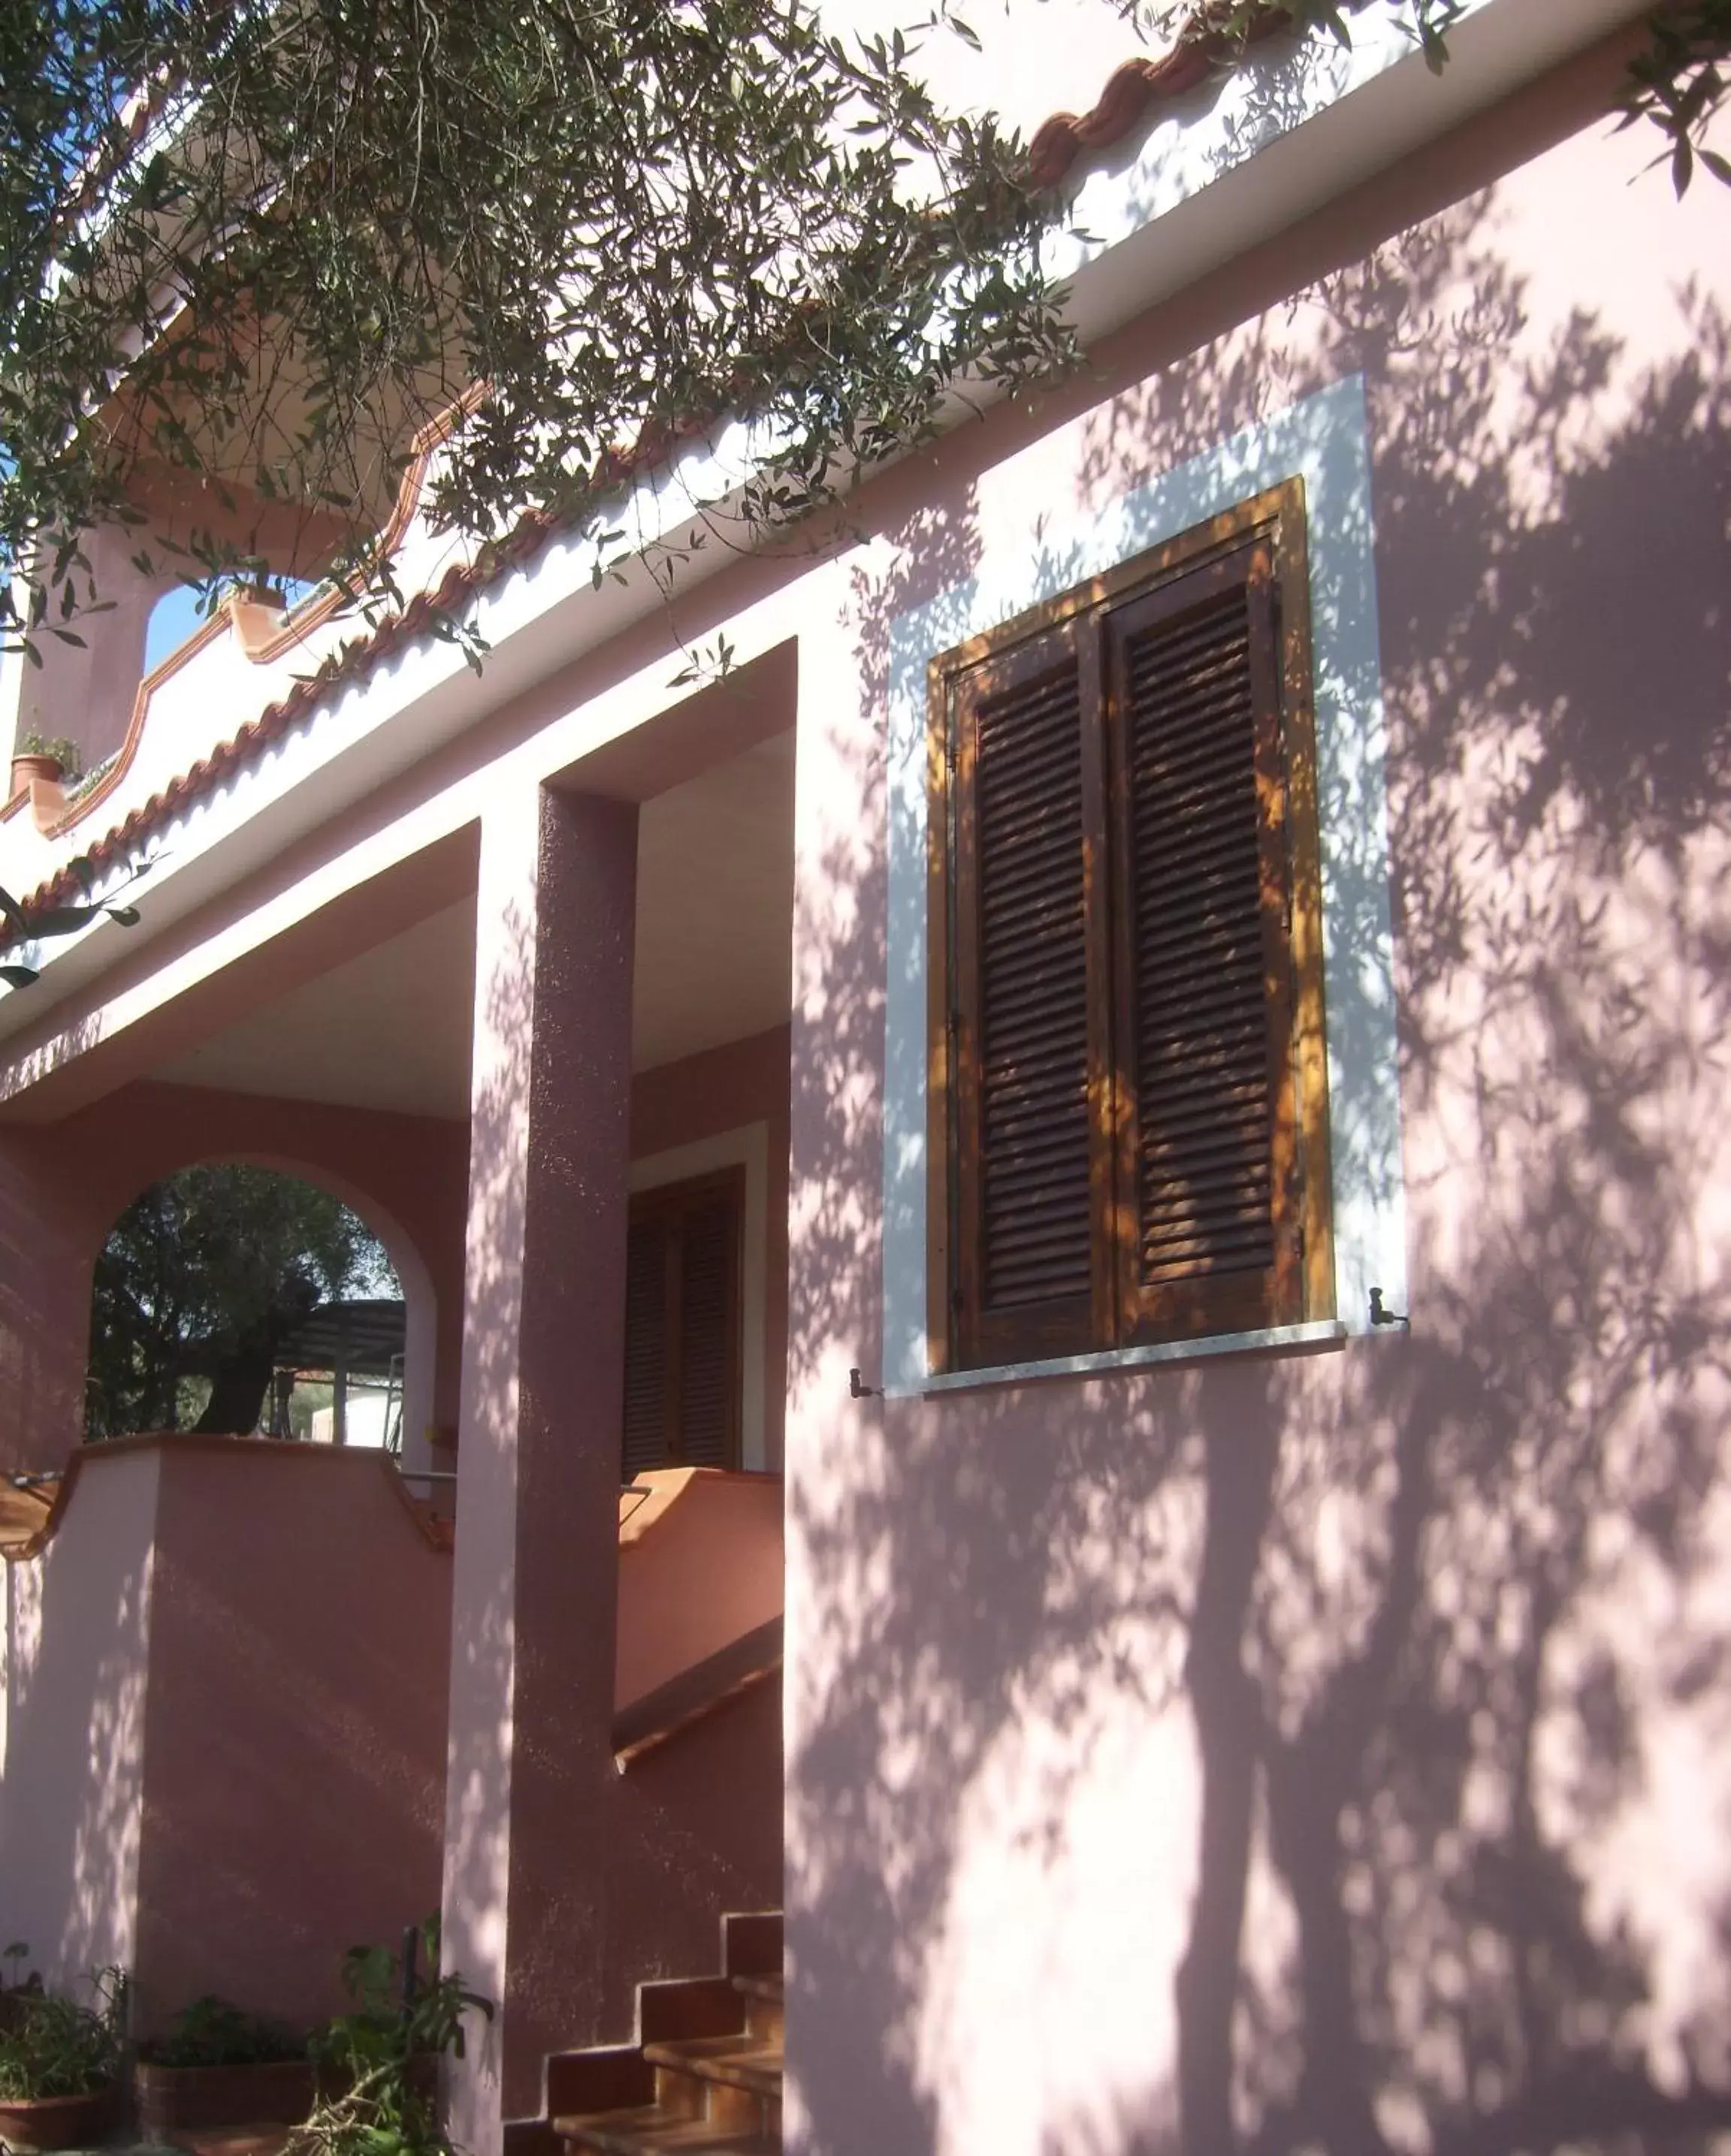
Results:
752 1944
687 2006
651 2129
741 2061
709 2055
766 2007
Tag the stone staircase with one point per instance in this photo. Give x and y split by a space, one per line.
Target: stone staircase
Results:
704 2077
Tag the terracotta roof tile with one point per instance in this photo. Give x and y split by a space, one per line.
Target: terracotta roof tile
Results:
1131 92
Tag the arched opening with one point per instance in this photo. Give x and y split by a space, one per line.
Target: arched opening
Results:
249 1296
183 609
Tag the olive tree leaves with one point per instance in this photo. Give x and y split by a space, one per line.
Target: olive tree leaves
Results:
290 237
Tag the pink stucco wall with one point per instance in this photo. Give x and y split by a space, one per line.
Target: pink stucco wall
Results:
72 1756
63 1185
86 690
224 1723
700 1566
294 1767
1327 1753
1277 1753
566 1883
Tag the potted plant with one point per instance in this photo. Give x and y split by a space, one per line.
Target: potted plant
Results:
259 612
220 2067
59 2060
378 2066
34 758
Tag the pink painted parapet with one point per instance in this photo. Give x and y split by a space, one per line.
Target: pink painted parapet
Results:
700 1566
225 1721
72 1762
225 1678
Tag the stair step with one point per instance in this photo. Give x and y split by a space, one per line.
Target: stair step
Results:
751 1943
770 1988
668 2012
745 2062
647 2129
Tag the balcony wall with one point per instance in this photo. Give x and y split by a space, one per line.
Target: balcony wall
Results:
224 1697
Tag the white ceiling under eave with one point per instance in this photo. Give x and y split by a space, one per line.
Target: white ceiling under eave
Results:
390 1029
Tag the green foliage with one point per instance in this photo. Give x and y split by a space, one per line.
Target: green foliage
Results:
211 2032
16 926
205 1270
51 2046
617 215
65 753
1677 83
245 253
375 2098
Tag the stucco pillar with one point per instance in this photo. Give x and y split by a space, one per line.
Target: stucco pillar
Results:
46 1247
531 1772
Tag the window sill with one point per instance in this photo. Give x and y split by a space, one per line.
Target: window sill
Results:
1275 1339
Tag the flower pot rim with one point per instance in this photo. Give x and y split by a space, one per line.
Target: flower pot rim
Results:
45 2122
39 2102
296 2060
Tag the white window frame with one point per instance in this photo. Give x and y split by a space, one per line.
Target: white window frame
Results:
1323 440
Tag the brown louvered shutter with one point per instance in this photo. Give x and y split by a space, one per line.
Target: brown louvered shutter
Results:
1030 976
1209 1219
682 1315
709 1328
646 1371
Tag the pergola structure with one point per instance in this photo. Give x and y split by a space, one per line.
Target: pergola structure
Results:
359 1338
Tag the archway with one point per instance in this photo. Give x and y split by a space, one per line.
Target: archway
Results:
282 1284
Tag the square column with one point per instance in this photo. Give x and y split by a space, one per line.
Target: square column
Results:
530 1793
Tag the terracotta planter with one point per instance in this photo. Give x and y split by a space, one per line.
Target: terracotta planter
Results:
259 624
170 2100
24 769
56 2121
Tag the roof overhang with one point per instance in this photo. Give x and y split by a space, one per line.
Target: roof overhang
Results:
1222 169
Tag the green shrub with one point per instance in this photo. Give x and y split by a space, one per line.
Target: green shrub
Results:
55 2046
211 2032
374 2099
66 753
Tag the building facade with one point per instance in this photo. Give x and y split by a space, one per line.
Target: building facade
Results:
1169 1007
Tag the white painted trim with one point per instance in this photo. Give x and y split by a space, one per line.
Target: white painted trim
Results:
1324 440
1273 1339
747 1148
1294 127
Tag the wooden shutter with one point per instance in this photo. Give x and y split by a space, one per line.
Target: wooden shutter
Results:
709 1333
1209 1207
1031 969
648 1390
682 1318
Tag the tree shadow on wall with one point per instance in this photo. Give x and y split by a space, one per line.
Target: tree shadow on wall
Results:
1379 1699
